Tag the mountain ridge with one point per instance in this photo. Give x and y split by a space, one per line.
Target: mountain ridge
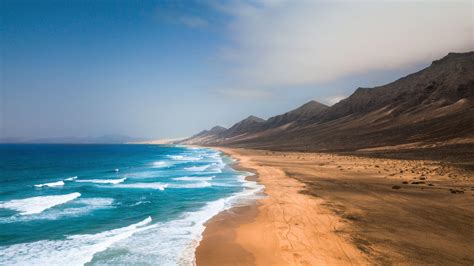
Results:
432 105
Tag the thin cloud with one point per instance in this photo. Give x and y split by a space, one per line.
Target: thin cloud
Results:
287 43
193 21
334 99
180 14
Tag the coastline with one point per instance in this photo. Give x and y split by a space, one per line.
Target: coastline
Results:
275 230
219 233
341 209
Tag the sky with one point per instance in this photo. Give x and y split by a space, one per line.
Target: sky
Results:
167 69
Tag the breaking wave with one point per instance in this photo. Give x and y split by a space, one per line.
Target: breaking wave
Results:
102 181
52 184
36 205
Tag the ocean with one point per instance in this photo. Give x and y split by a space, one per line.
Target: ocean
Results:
112 204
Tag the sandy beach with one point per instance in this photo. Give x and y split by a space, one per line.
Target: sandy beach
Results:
332 209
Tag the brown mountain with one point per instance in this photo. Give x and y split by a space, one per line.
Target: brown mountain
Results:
299 115
249 124
443 83
204 136
213 131
253 125
430 108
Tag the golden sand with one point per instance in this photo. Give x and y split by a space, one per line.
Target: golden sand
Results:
338 210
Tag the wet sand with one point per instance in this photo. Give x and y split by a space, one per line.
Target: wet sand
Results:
219 246
330 209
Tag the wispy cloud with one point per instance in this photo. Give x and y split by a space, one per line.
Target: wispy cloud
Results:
331 100
193 21
287 43
182 13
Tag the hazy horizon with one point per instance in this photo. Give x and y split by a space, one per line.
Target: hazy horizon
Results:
166 69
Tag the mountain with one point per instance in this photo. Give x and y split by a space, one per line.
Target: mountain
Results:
300 114
253 124
213 131
204 136
249 124
429 108
443 83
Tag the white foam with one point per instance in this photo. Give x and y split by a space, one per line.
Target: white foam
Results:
159 186
74 250
194 178
197 168
216 167
177 241
52 184
182 146
201 184
95 201
161 164
36 205
72 178
193 148
140 203
185 158
178 238
135 244
145 175
223 184
102 181
163 186
131 245
79 207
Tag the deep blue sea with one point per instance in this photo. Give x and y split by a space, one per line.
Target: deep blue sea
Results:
111 204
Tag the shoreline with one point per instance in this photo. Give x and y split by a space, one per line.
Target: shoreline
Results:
219 233
262 234
337 209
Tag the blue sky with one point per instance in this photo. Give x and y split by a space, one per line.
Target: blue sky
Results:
159 69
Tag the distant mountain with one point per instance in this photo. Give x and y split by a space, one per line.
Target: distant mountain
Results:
105 139
219 134
430 107
249 124
298 115
213 131
253 124
204 136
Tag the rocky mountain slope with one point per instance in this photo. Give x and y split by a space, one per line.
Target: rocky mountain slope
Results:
429 108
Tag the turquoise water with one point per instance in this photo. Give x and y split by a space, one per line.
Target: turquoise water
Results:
111 204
